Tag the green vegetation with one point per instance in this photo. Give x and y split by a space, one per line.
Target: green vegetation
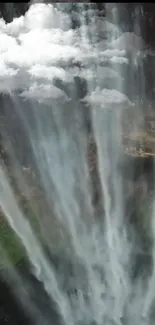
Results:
9 244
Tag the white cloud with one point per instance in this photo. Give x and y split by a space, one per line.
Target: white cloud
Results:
16 27
6 71
38 71
43 16
44 92
7 43
40 46
102 73
108 99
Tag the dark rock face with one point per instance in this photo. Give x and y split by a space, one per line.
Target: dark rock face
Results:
13 10
13 133
10 312
13 310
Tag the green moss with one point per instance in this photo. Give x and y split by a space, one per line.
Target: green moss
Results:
9 241
10 244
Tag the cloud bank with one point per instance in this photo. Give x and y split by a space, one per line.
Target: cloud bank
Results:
41 46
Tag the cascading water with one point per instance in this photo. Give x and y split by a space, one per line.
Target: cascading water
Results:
59 79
